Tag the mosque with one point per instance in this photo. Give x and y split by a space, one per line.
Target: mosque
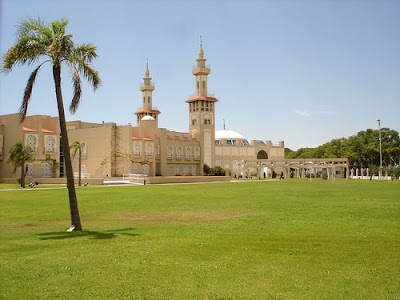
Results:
113 150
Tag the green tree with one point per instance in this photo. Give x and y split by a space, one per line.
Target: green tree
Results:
19 155
206 169
37 40
218 171
77 147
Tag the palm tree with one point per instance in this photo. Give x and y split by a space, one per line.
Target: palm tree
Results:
36 40
19 154
78 146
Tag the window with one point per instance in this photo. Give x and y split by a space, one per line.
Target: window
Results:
146 169
137 148
29 168
194 170
46 170
135 169
149 149
204 84
194 121
185 170
170 152
148 99
245 143
196 154
179 152
217 142
50 143
231 142
198 85
176 170
188 153
31 141
158 151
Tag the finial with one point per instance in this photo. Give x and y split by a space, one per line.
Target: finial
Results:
224 123
201 53
147 74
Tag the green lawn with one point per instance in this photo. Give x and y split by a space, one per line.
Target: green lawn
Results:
290 239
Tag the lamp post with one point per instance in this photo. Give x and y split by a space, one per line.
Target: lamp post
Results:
380 150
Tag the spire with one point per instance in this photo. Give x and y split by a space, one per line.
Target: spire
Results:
201 53
147 73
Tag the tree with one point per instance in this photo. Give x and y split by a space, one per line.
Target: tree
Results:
77 147
361 149
206 169
19 154
37 40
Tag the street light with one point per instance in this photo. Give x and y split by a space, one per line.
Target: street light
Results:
380 150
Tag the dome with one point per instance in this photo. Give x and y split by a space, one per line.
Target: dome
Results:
147 118
228 135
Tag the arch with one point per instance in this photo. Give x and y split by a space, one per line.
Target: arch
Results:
262 155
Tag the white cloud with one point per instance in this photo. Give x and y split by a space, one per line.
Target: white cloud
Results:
303 113
307 113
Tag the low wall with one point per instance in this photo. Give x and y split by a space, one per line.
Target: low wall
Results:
92 181
186 179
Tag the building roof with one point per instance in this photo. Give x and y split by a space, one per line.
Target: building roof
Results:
228 134
195 98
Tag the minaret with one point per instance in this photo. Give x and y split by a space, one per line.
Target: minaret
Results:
202 110
147 89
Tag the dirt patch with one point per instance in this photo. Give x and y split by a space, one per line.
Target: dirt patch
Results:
180 217
24 225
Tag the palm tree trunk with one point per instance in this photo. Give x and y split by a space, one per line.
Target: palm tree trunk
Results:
73 201
22 183
80 165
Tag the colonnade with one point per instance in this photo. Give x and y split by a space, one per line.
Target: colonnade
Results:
293 168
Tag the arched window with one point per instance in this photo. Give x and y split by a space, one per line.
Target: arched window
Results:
149 149
146 169
50 144
188 153
31 140
262 155
179 152
137 148
170 152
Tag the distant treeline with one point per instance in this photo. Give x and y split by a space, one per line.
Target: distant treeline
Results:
362 149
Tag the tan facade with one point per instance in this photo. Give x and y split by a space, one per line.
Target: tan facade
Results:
114 150
41 134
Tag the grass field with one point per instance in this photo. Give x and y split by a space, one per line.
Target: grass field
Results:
291 239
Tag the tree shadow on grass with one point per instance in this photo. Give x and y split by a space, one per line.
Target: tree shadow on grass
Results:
106 235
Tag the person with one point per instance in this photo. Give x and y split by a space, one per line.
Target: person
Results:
281 176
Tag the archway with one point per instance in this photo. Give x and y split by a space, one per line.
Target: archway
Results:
262 155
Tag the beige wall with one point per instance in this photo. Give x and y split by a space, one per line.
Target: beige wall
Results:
34 131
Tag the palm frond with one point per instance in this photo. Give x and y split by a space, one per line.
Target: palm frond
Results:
27 94
90 74
86 51
76 80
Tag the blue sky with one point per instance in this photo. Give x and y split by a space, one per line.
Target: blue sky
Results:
302 71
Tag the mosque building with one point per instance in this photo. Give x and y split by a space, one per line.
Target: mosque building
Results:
113 150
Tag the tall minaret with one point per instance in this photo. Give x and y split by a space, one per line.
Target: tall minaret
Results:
202 110
147 107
